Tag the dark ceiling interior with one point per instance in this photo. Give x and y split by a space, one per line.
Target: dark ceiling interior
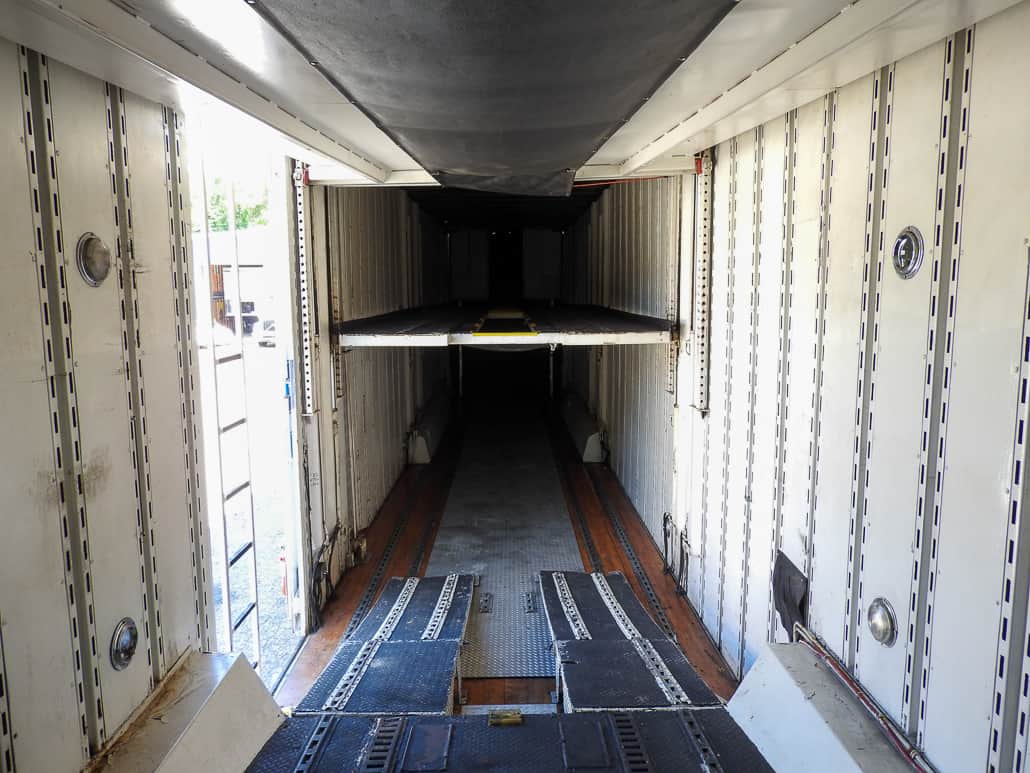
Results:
459 207
497 95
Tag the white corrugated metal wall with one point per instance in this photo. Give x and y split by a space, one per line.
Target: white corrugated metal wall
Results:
868 425
102 498
624 253
384 255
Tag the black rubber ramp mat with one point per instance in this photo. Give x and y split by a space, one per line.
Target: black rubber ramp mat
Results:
581 594
438 608
386 678
624 675
638 742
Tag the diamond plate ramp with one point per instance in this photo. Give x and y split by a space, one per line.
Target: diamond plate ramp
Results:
506 521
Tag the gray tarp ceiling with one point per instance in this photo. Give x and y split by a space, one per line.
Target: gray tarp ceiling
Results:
494 95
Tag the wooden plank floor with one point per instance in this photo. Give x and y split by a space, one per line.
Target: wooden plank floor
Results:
424 491
690 633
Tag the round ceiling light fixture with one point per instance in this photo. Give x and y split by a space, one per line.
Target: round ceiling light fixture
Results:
883 625
123 643
93 258
908 252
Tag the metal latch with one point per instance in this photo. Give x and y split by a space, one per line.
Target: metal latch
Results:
504 717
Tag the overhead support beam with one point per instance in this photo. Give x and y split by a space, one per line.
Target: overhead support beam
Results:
614 171
860 39
101 38
340 174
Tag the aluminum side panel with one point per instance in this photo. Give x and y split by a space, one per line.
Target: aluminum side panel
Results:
988 346
158 354
33 597
108 484
892 491
848 194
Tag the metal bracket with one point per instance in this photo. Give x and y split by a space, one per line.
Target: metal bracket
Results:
568 605
443 605
529 601
486 602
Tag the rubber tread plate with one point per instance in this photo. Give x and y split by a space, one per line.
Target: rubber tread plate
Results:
595 613
341 749
419 609
541 744
402 678
610 674
732 747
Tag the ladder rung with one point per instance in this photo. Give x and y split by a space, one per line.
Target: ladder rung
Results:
234 425
235 491
239 620
241 552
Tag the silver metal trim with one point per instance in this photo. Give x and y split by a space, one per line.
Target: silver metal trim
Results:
568 605
397 610
443 606
912 234
668 684
608 597
348 683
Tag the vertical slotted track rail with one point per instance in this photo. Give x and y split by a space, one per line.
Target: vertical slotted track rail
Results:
825 196
727 428
52 265
6 726
867 336
179 233
945 252
783 365
118 159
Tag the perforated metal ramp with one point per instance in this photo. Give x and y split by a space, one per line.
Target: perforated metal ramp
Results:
505 521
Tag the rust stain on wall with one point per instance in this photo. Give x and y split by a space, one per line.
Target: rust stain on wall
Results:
95 472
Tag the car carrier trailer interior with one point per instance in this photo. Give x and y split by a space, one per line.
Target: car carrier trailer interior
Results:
456 386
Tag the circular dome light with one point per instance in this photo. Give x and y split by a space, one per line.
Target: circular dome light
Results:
908 252
93 258
883 625
123 643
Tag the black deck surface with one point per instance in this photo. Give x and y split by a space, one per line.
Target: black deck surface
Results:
419 609
611 675
397 720
638 742
403 677
452 319
593 610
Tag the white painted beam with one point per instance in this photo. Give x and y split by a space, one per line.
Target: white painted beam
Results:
102 39
860 39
